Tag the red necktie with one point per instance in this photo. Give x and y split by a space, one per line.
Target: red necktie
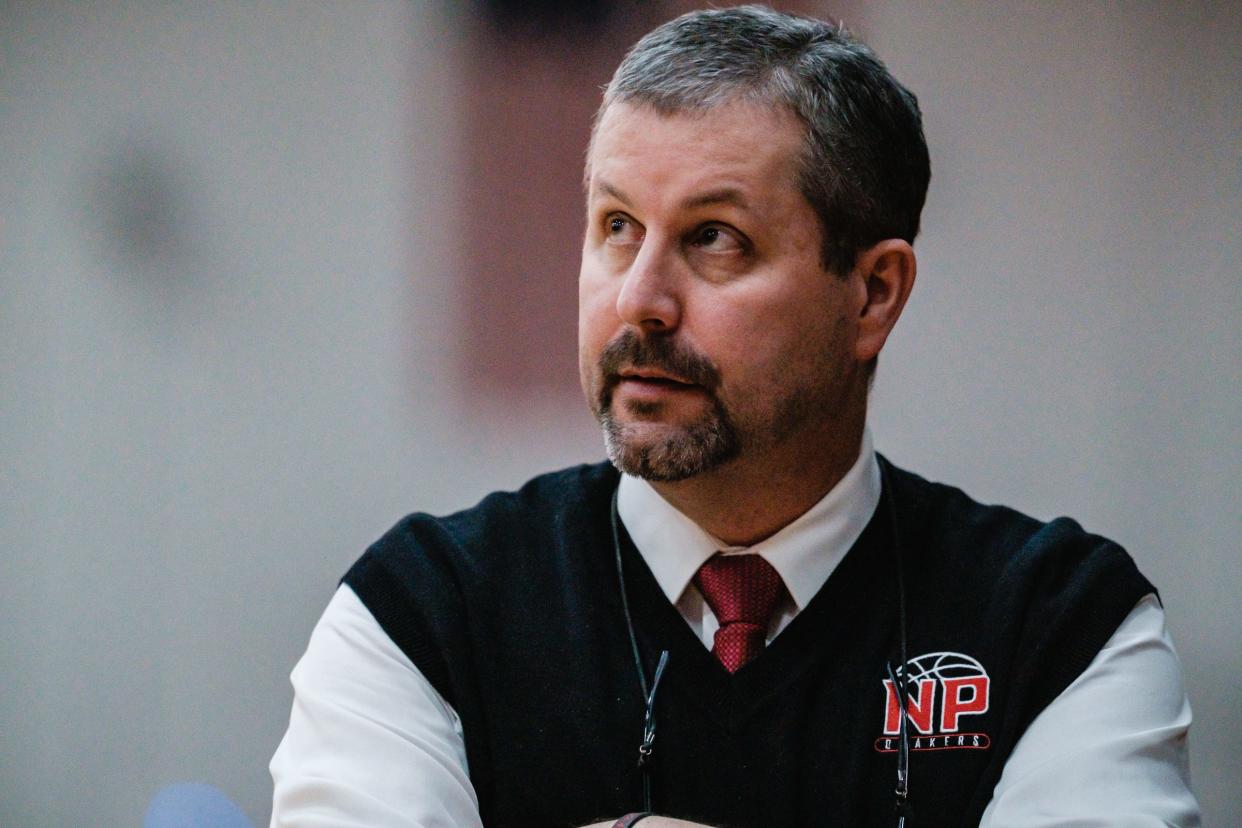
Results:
742 591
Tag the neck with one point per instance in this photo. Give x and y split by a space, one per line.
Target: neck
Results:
745 501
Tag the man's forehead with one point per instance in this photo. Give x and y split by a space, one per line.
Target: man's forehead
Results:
719 148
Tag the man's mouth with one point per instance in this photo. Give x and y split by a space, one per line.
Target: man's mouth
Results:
652 386
653 377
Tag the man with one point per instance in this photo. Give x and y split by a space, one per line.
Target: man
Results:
758 622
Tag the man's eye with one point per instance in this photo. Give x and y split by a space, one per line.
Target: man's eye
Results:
622 230
717 239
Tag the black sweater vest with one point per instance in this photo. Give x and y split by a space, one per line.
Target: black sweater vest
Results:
512 610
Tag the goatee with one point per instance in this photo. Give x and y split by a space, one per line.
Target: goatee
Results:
686 450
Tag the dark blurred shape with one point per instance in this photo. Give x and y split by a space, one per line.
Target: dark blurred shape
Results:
526 106
142 205
549 16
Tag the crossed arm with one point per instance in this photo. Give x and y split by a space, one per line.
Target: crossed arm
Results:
371 743
654 822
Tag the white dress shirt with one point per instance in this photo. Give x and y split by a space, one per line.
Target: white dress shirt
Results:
371 743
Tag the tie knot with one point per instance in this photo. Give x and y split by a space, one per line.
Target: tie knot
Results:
740 588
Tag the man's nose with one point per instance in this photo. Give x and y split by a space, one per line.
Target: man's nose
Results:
649 297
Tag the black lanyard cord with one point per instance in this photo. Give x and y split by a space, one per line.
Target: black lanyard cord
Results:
898 677
647 745
625 601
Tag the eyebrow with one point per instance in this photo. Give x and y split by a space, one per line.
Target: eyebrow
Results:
614 192
723 195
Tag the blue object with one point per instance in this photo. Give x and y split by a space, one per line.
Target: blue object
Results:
194 805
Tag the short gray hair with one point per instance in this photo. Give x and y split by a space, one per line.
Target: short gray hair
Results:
865 167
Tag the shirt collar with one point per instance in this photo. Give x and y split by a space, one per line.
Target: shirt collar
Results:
805 553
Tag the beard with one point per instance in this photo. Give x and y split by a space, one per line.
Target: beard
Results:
683 451
686 451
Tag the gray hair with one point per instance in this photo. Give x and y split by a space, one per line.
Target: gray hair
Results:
865 167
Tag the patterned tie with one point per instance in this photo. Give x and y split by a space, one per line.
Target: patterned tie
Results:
742 591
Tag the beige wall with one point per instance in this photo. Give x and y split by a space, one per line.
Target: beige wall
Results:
228 344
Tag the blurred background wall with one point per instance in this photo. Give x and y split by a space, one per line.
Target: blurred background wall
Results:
260 278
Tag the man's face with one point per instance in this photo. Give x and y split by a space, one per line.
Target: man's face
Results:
709 332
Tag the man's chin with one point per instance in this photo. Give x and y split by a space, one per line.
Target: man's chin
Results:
666 452
647 433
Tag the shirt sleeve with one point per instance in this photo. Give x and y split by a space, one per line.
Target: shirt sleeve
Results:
370 741
1112 748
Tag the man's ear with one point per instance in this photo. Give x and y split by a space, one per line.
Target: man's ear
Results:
884 274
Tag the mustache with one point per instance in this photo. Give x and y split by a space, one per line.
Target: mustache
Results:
663 352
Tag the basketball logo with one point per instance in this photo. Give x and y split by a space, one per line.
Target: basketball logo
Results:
942 691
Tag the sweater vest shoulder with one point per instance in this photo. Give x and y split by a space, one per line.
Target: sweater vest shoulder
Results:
513 610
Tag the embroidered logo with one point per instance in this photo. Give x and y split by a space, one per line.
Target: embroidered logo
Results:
942 691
